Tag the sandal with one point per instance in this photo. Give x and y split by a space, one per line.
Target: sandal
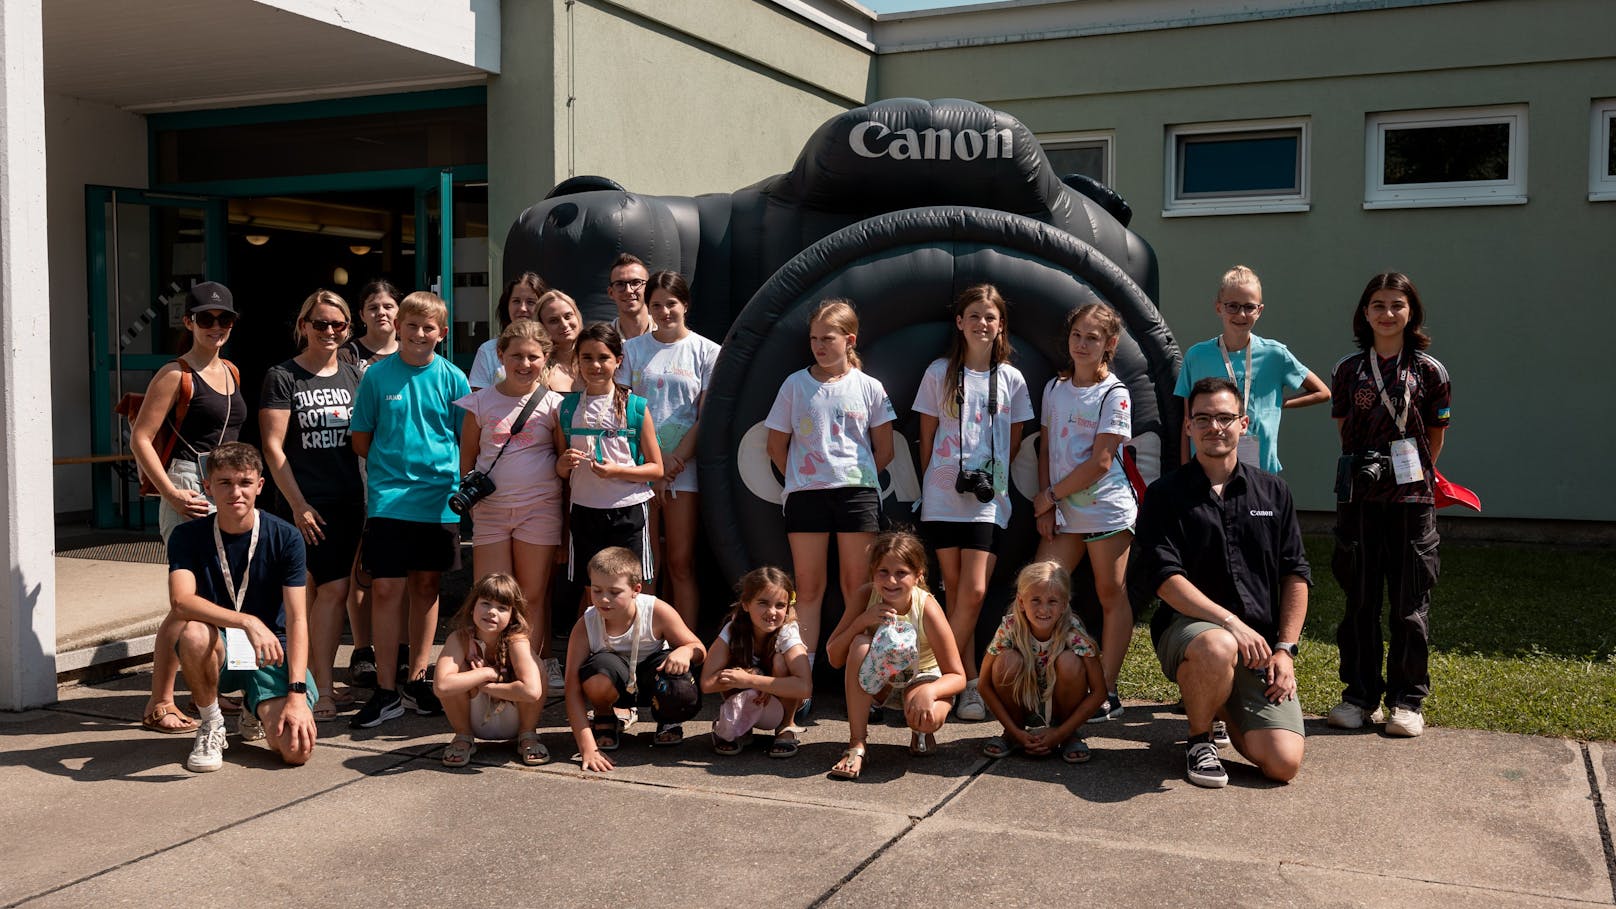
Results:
608 733
531 750
730 747
1075 751
459 751
845 768
325 709
783 747
343 698
229 706
154 720
922 744
667 735
997 747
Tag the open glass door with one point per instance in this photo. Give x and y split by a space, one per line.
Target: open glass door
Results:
451 255
143 250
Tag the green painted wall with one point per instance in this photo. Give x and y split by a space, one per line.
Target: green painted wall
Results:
665 98
1518 297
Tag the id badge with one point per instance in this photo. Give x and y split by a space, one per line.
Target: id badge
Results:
1249 451
1406 462
238 650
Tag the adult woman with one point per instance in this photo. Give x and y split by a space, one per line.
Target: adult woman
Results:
671 367
317 471
1391 400
378 309
519 301
562 321
209 386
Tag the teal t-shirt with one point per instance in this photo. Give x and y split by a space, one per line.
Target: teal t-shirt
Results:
414 460
1274 371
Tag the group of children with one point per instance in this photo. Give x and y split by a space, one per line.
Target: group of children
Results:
583 467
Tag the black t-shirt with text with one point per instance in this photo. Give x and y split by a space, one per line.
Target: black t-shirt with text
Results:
317 433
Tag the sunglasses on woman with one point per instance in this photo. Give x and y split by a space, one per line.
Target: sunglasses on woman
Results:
209 319
328 325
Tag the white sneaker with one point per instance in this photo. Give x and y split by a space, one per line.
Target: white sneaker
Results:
207 755
1347 715
1405 723
554 679
970 707
250 727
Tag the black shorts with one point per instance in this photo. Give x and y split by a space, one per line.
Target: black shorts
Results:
332 559
394 548
594 529
983 536
614 666
845 509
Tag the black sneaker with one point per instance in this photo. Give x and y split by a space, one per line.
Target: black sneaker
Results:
1220 734
383 705
362 667
417 695
1203 767
1110 709
805 712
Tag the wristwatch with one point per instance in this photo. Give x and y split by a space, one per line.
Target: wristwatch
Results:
1291 649
298 688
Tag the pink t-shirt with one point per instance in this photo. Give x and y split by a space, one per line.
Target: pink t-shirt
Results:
525 475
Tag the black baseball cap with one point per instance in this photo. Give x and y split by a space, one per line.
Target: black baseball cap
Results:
210 296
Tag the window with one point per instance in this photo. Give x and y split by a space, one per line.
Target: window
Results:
1602 153
1466 156
1088 154
1237 168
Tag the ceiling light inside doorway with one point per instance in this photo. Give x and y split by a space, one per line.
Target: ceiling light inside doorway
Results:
257 239
359 249
339 276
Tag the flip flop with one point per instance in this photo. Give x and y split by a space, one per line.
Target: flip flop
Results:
229 706
459 751
783 747
154 720
326 708
844 769
922 744
531 751
731 747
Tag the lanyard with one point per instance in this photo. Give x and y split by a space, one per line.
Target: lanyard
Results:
1228 367
1380 384
993 410
238 597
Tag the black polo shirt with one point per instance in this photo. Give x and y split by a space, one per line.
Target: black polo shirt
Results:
1236 548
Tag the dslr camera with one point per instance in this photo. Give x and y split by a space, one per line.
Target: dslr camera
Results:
978 483
1366 467
474 487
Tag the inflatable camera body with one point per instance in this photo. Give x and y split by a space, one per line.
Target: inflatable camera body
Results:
897 206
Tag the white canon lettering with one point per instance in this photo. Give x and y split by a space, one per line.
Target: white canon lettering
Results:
907 145
968 145
999 143
936 146
856 138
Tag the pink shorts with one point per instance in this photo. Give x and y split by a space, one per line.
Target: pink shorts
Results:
538 524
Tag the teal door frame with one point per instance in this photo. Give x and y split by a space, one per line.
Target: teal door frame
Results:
106 354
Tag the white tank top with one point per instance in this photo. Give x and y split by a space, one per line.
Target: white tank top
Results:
623 644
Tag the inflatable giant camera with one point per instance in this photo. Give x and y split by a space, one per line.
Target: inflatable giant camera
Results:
897 206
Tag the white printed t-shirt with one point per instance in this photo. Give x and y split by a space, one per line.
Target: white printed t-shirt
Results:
671 378
938 500
588 490
830 425
789 636
1072 418
525 475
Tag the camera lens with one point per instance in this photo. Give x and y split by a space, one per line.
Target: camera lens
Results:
459 504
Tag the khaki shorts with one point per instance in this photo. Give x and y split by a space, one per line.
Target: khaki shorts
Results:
1248 706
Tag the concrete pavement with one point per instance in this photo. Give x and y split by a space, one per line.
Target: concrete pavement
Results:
100 812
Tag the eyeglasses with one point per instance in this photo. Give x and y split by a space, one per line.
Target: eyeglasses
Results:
635 284
1204 421
328 325
210 318
1244 309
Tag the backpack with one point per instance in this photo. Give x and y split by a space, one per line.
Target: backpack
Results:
168 434
635 420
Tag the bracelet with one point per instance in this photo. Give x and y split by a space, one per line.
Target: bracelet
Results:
1231 617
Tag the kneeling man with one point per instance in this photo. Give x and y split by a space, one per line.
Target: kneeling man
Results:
1219 543
236 578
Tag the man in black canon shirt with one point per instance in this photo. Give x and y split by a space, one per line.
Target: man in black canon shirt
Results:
1219 542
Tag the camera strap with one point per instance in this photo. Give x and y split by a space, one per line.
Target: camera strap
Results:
1228 367
1401 419
993 411
516 427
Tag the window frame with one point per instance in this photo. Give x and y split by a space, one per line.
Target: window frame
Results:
1601 183
1509 191
1176 206
1106 139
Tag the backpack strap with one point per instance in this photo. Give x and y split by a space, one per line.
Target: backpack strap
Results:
182 398
634 422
